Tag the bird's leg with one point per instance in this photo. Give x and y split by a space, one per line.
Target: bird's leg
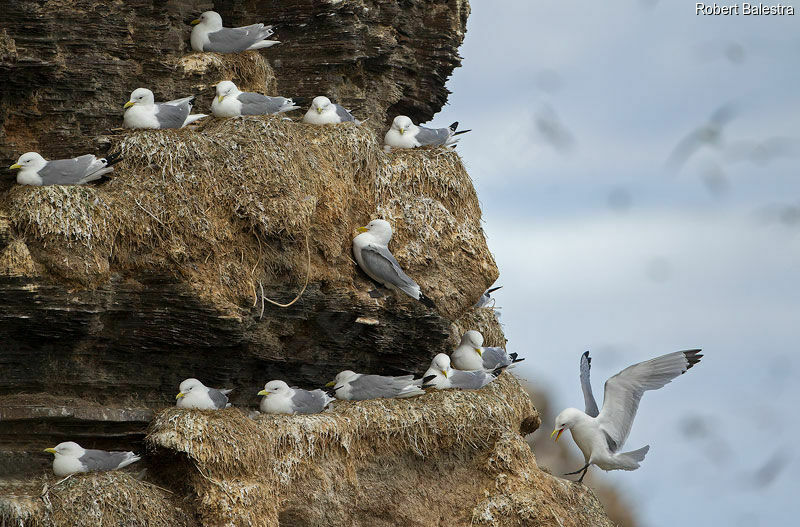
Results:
580 480
582 469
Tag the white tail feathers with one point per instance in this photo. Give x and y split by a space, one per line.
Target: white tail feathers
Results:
630 460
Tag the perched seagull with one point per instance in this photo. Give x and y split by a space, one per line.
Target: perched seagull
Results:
323 111
143 112
36 170
280 399
209 35
600 435
442 377
405 134
352 386
194 394
372 254
486 297
71 458
471 355
232 102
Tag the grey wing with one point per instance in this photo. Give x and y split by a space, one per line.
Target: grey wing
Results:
377 386
255 104
432 136
101 460
306 402
495 358
219 399
344 115
624 390
586 386
381 263
470 380
66 171
172 116
236 39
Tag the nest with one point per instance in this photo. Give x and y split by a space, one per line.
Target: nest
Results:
229 207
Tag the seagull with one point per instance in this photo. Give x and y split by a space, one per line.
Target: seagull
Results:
600 435
707 134
442 377
36 170
232 102
194 394
405 134
371 249
323 111
142 112
209 35
71 458
280 399
352 386
471 355
486 297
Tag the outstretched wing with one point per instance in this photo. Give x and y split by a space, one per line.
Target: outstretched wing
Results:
382 264
624 391
586 386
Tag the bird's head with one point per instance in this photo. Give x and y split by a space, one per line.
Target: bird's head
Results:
566 420
29 161
226 88
210 20
275 387
381 230
473 339
321 104
402 124
140 96
187 386
441 364
68 448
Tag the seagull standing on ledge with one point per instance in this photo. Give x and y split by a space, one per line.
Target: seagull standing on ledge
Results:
371 249
600 435
209 35
405 134
71 458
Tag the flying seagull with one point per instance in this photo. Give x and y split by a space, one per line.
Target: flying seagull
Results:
471 355
352 386
600 435
707 134
279 398
371 249
209 35
405 134
232 102
36 170
194 394
442 376
141 111
323 111
71 458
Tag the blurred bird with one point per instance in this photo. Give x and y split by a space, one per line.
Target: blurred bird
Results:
486 297
708 134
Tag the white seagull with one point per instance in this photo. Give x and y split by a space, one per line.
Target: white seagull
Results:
194 394
371 250
351 386
232 102
443 377
471 355
209 35
323 111
279 398
141 111
601 435
36 170
71 458
405 134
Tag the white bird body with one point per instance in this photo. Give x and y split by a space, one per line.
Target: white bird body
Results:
194 394
37 171
71 458
209 34
232 102
279 398
352 386
405 134
443 377
142 112
323 111
472 355
141 117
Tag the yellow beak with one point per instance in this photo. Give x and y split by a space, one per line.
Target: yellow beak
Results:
444 372
50 450
181 395
319 110
263 392
402 131
557 433
128 104
362 229
195 21
15 166
479 351
220 98
331 384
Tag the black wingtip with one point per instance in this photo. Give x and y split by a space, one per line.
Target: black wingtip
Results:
113 159
515 360
588 358
493 289
498 371
99 181
462 132
426 380
693 357
426 386
427 301
453 126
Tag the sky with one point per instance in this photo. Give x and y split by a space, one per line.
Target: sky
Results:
607 243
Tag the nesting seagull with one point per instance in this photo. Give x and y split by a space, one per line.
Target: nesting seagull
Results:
351 386
232 102
194 394
209 35
471 355
71 458
486 297
141 111
442 376
36 170
372 254
323 111
405 134
600 435
279 398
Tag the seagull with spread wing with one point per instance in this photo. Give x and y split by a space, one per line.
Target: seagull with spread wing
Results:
601 434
